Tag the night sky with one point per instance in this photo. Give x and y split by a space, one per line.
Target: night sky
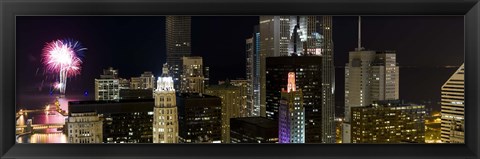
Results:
136 44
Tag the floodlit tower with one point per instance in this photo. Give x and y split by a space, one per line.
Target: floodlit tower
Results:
165 120
291 117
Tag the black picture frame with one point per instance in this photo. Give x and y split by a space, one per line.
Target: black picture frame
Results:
470 9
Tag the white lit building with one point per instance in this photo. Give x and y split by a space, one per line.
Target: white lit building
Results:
369 76
165 120
453 108
108 86
84 128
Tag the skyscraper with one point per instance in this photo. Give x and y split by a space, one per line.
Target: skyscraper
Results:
453 108
178 38
165 118
369 76
253 72
274 39
308 72
192 79
291 114
301 36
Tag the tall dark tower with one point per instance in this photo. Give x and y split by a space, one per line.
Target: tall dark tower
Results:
325 46
178 32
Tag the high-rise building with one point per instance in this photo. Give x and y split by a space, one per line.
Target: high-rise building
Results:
253 72
178 39
124 121
165 118
308 72
453 108
145 81
233 102
199 118
388 122
291 114
369 76
192 77
253 130
84 128
107 87
245 111
301 36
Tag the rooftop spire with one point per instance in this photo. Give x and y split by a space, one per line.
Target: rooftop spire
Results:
165 70
359 47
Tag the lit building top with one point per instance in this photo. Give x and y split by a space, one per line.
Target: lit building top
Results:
165 82
291 82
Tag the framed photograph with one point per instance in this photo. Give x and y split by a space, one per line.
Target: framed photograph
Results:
250 79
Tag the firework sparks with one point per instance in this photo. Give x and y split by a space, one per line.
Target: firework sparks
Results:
63 57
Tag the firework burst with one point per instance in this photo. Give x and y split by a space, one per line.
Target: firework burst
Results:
65 58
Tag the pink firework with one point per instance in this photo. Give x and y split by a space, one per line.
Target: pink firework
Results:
62 56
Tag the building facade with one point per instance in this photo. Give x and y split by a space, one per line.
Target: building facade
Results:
192 77
84 128
107 87
145 81
453 108
233 102
135 94
301 36
124 121
369 76
253 72
388 122
199 118
178 39
253 130
245 110
165 118
291 114
308 72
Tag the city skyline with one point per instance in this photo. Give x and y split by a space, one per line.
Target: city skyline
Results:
304 46
121 35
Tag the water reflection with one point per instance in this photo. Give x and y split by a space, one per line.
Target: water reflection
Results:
44 117
43 138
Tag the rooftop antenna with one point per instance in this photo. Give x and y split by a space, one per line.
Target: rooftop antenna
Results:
359 47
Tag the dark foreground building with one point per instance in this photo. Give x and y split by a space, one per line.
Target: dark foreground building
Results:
319 120
199 118
253 130
124 121
136 94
